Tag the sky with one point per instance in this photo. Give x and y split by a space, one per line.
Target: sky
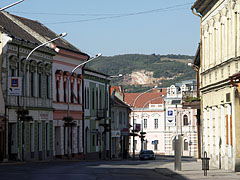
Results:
114 27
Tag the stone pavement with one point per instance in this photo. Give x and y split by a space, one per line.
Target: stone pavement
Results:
193 170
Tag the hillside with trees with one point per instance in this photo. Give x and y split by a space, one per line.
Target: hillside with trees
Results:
161 70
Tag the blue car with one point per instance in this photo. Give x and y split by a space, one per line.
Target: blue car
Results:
146 154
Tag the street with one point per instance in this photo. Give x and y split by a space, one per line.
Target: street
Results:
161 168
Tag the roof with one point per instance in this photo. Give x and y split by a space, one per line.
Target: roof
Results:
13 30
202 6
151 97
117 102
47 33
196 60
94 71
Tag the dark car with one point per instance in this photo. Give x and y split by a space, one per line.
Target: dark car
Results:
147 154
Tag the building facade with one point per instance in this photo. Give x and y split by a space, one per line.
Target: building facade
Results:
26 138
160 116
97 123
119 125
219 78
179 120
148 114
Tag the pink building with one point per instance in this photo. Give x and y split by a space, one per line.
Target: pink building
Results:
161 116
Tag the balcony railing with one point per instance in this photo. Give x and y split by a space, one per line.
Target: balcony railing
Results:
190 99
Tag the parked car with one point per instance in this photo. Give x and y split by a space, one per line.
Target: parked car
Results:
147 154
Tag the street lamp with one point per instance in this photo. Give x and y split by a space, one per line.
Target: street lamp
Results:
2 9
68 79
142 117
134 119
195 68
25 64
25 84
68 97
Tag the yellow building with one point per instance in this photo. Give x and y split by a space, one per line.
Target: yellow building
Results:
219 78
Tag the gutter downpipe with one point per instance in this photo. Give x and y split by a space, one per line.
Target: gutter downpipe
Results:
199 129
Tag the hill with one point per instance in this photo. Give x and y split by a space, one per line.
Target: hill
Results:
143 71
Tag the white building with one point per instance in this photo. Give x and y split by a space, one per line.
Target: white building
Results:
156 113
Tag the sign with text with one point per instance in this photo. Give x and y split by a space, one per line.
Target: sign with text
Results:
170 119
15 86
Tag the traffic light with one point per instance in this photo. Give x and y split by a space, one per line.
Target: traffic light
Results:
142 135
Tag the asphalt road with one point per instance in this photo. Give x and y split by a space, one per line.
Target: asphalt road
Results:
100 170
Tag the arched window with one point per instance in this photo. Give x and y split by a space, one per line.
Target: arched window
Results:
185 120
173 144
185 145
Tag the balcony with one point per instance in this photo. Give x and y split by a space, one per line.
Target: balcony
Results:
190 100
100 114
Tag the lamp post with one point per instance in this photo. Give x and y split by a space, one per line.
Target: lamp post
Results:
142 117
68 93
2 9
25 64
134 102
25 83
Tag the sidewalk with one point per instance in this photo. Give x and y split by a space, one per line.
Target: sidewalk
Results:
193 170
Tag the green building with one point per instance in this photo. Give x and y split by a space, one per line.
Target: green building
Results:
97 127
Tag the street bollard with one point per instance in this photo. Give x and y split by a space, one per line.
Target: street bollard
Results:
178 153
205 163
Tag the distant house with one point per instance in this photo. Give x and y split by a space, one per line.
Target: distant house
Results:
160 116
97 125
148 113
119 124
179 120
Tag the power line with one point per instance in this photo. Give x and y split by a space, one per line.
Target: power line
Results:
113 16
100 14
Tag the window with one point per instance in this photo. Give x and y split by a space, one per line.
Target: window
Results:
93 99
97 106
185 120
155 123
145 123
87 98
185 145
48 86
57 90
93 140
72 93
40 85
120 117
124 118
64 91
12 72
135 144
32 84
173 145
100 95
78 93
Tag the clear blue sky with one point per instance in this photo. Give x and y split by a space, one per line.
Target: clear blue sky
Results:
115 27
